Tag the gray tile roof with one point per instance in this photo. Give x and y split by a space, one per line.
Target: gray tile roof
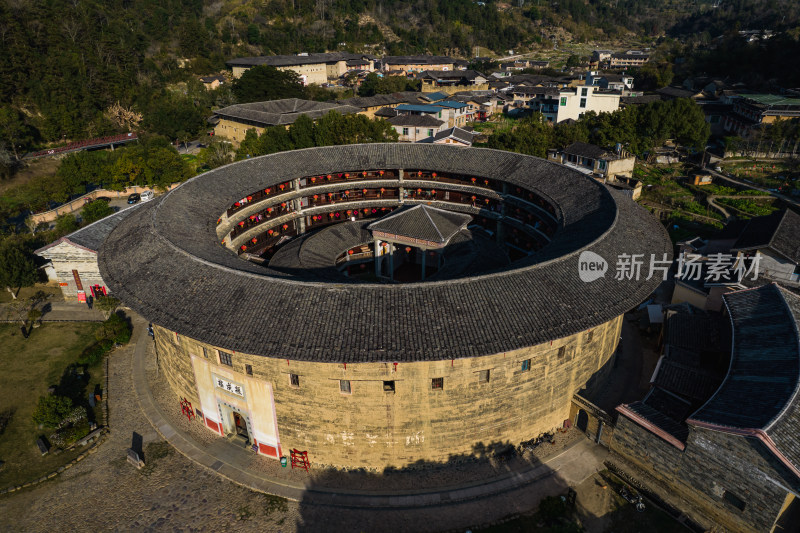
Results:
92 236
291 60
417 60
760 391
286 111
415 121
422 222
405 97
168 265
779 232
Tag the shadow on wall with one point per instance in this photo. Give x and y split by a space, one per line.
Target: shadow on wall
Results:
466 491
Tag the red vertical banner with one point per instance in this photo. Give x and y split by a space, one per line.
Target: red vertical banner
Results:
78 280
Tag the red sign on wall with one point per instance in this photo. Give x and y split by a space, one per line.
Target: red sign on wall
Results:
81 296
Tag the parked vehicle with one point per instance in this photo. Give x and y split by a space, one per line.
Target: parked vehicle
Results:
146 196
134 198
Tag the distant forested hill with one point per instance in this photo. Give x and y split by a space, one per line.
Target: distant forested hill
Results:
64 63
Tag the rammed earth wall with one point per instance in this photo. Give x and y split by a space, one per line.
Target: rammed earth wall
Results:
374 428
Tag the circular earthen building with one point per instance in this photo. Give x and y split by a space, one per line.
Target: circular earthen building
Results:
384 304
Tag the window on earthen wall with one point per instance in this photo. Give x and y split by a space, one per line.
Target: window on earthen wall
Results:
437 383
294 380
344 386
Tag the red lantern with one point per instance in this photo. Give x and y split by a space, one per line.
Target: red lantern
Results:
243 247
254 240
408 249
283 204
364 173
487 200
381 172
486 182
270 232
236 204
267 190
419 191
350 252
434 174
365 191
349 212
366 211
383 190
223 243
433 192
330 215
316 197
286 226
474 180
329 176
249 198
219 220
269 210
241 224
282 186
330 194
313 180
473 198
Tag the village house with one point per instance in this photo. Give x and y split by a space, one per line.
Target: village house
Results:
415 127
718 427
453 81
72 259
370 105
558 105
410 64
312 68
456 136
212 82
594 160
237 119
631 58
752 110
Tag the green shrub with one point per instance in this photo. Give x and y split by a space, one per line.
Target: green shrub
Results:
94 353
51 410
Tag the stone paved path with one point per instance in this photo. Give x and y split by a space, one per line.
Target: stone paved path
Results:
173 493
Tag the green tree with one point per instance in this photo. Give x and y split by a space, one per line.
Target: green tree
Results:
171 115
17 268
66 224
51 410
265 82
13 130
216 154
374 84
94 211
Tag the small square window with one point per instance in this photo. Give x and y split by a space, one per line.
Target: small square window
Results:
437 383
388 386
526 365
248 369
561 351
225 358
589 336
733 500
199 413
294 380
483 376
344 386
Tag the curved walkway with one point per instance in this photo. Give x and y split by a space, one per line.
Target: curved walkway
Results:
573 465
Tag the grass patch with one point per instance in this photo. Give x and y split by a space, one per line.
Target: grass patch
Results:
26 292
274 504
749 206
29 368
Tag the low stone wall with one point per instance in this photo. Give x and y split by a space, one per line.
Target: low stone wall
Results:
77 203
